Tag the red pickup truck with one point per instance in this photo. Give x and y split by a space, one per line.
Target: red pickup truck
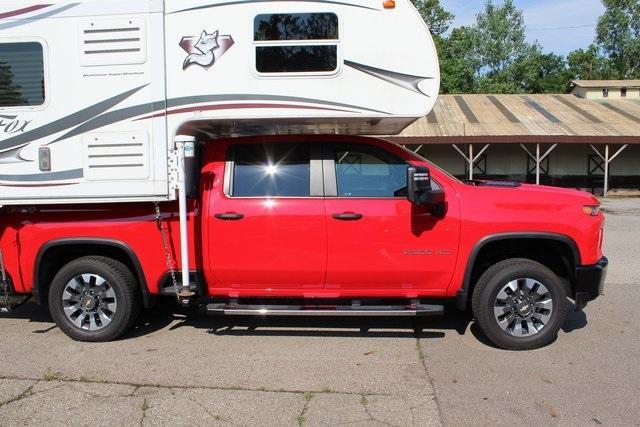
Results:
318 225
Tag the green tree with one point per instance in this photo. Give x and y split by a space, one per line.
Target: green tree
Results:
10 94
538 72
459 62
501 36
588 64
437 17
618 34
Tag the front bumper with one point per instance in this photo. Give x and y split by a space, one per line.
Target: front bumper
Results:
589 282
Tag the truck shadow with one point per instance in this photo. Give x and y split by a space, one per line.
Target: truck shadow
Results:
166 314
453 321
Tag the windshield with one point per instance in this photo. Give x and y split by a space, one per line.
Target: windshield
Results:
419 157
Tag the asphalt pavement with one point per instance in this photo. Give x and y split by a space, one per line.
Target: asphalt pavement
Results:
181 368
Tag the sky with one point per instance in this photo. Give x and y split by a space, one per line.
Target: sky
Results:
547 20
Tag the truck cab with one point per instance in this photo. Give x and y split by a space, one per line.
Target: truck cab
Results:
323 217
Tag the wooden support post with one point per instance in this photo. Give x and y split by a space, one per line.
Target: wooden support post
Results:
470 162
469 158
607 161
538 164
538 158
605 188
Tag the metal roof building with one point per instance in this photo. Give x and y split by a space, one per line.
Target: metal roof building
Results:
537 125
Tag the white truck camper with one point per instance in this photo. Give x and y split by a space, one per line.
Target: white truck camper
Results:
101 100
93 93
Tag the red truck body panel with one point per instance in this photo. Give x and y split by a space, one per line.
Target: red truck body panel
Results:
292 247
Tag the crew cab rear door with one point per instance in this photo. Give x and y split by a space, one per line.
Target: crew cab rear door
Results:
267 223
380 244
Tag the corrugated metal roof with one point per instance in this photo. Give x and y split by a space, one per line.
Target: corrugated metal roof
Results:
527 118
596 84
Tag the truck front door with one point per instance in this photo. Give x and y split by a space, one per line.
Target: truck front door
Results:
379 244
267 222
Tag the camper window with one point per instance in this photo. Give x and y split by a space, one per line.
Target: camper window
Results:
21 74
293 42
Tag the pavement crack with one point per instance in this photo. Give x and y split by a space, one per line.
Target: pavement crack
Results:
364 402
216 417
27 393
189 387
422 358
301 418
145 408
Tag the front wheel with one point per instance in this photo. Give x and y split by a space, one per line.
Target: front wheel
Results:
94 298
519 304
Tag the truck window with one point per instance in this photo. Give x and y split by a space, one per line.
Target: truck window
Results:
270 170
293 42
365 171
21 74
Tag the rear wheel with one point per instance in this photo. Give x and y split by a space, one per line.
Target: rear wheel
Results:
94 299
519 304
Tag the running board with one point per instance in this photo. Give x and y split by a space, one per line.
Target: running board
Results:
311 310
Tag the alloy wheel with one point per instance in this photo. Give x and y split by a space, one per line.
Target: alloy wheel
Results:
523 307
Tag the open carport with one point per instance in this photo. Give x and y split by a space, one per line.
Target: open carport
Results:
559 140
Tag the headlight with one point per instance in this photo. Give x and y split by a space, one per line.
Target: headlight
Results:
591 210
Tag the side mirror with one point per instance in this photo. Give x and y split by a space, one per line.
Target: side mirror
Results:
418 185
421 193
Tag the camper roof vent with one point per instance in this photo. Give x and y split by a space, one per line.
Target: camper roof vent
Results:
113 42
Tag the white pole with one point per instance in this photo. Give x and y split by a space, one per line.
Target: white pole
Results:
471 162
537 164
185 148
606 171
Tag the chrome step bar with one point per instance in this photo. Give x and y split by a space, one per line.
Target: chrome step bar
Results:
310 310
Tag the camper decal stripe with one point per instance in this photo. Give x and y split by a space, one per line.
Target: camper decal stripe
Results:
160 106
11 156
57 184
178 102
66 122
52 176
236 107
407 81
208 6
93 118
113 117
30 19
23 10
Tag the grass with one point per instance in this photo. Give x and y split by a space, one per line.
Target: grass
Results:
301 418
51 375
421 354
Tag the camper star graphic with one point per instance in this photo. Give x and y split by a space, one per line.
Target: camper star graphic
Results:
205 51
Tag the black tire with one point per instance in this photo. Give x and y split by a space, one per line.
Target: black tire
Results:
121 281
486 292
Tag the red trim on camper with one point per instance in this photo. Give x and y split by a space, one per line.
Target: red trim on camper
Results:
38 185
23 10
235 107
